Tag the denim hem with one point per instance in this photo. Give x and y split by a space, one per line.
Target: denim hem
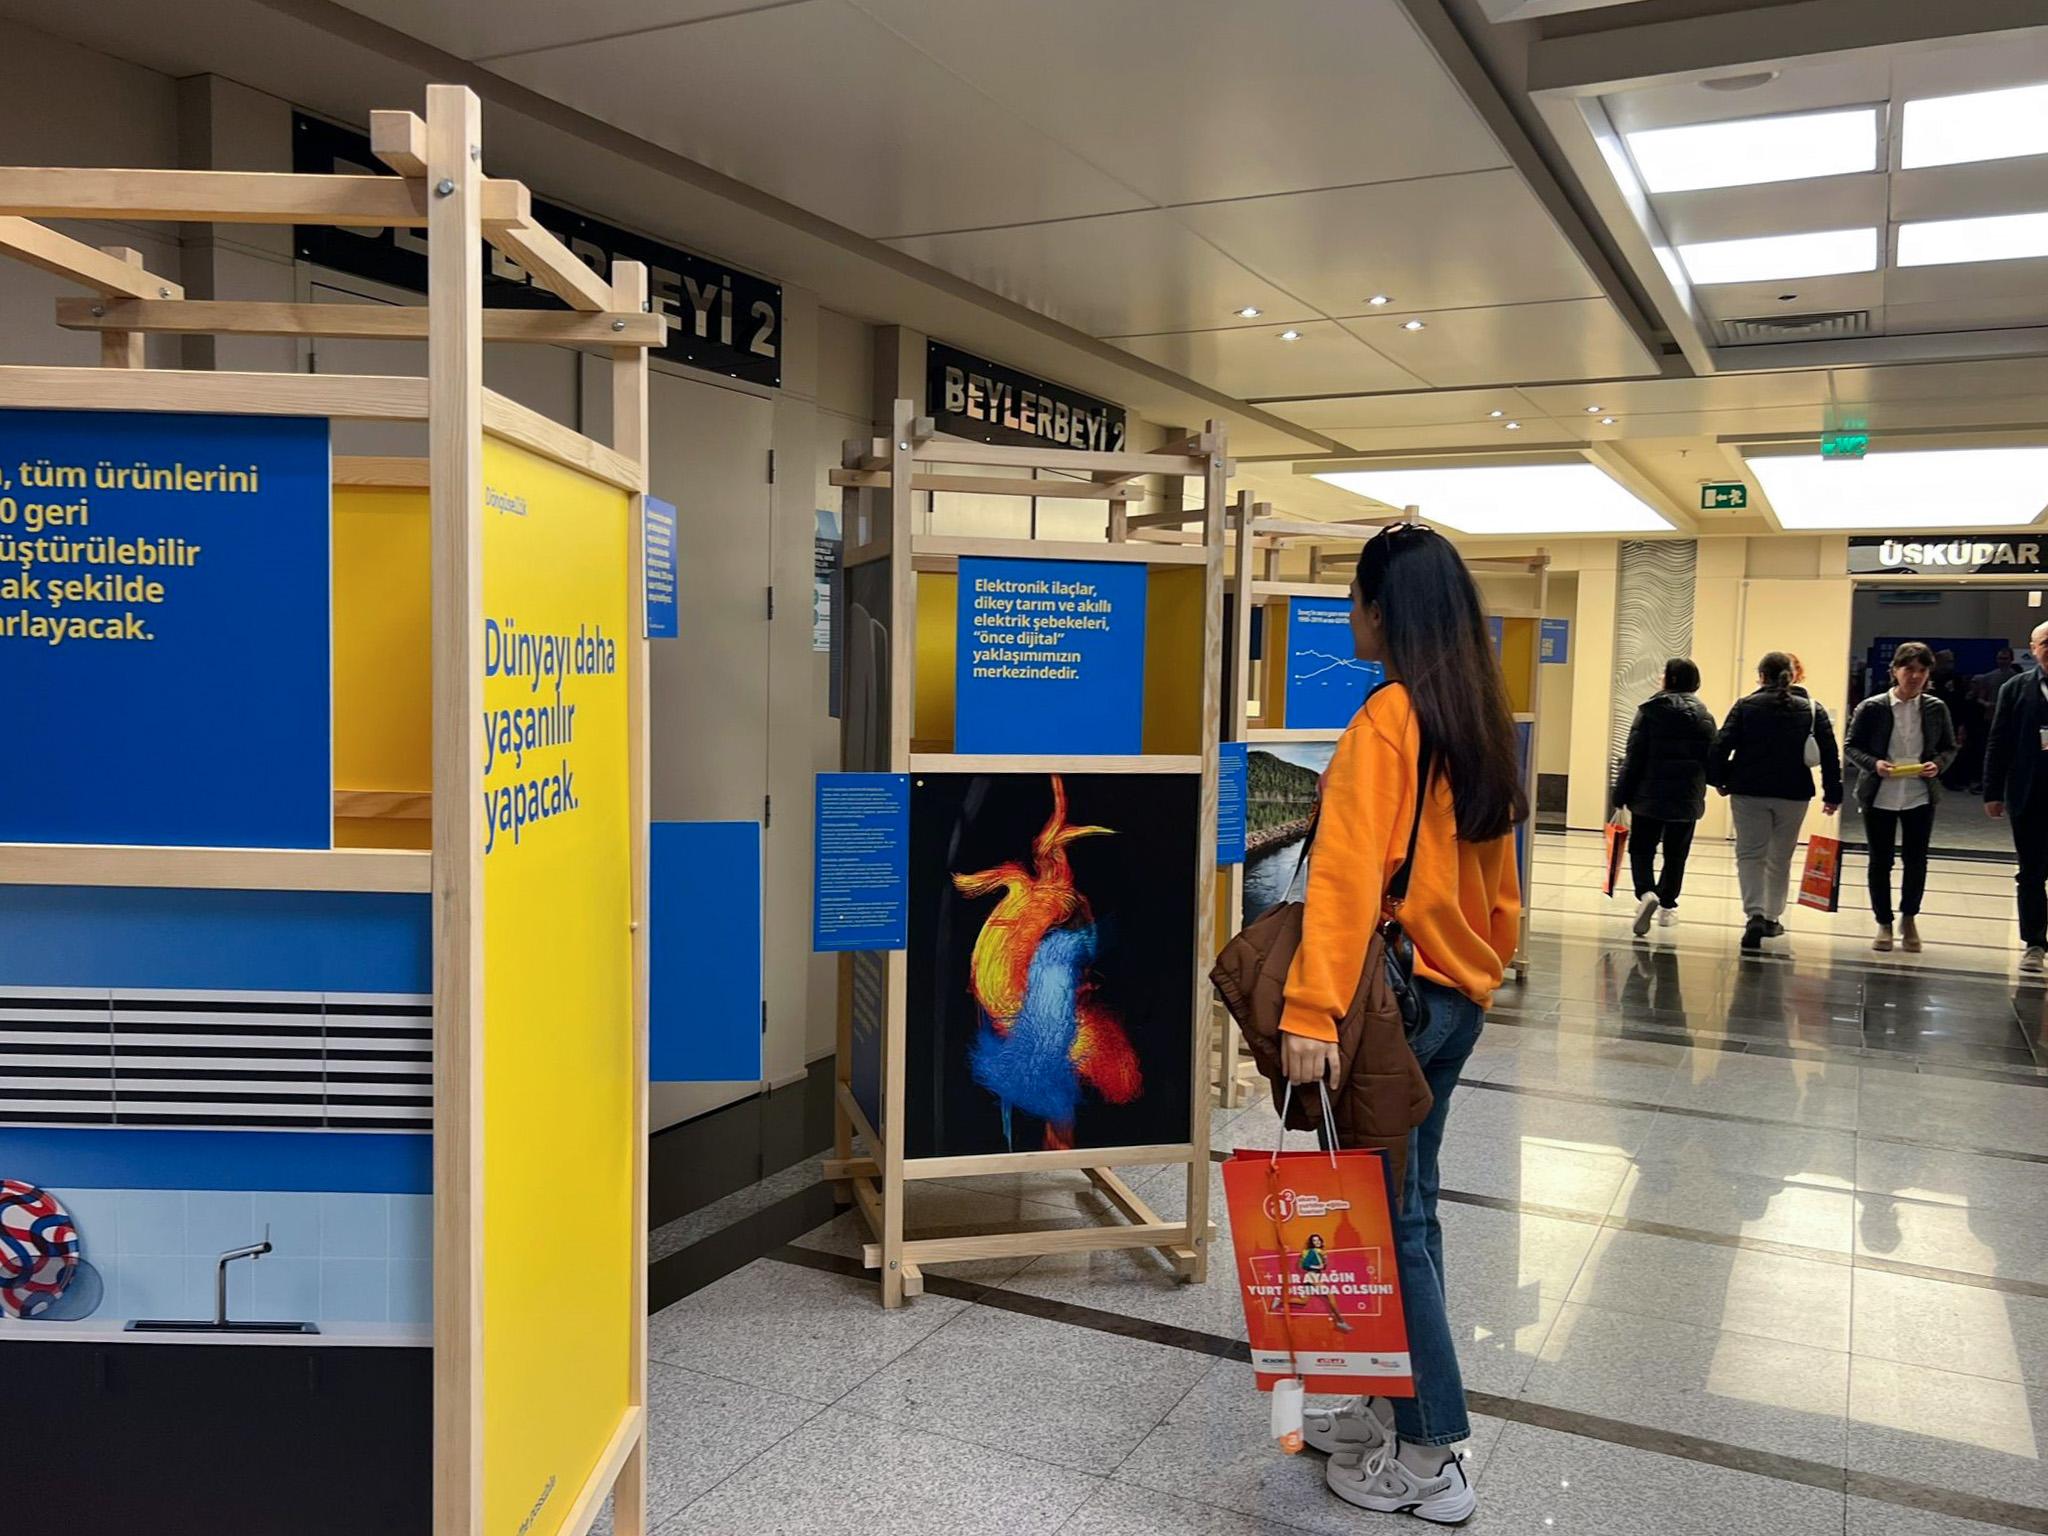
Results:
1437 1442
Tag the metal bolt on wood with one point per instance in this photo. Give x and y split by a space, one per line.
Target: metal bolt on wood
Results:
445 188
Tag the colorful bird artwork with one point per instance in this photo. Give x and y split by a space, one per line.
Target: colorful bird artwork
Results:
1045 1028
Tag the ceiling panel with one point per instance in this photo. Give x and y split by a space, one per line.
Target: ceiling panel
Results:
1579 338
1965 283
1970 191
1536 435
483 29
842 118
1786 298
1191 100
1969 311
1251 363
1776 208
1806 87
1121 275
1435 244
1438 408
1713 392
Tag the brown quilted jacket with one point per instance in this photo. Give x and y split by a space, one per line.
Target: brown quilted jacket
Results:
1383 1095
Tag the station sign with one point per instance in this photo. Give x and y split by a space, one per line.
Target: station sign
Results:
720 319
1966 554
971 397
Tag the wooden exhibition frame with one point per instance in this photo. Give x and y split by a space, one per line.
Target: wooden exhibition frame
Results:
1259 543
879 480
438 185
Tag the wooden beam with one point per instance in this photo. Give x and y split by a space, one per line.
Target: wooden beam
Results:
43 248
399 139
516 423
1288 528
239 197
359 397
627 1441
608 329
1055 549
384 470
953 450
455 419
124 349
552 264
234 869
976 485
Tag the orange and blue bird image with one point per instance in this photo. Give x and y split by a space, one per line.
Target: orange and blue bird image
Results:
1046 1030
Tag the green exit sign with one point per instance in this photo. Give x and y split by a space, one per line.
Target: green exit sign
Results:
1844 445
1723 496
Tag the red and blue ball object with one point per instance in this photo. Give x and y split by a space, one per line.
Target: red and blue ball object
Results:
39 1249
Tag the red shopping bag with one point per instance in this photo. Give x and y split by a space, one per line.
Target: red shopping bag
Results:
1617 845
1820 883
1316 1270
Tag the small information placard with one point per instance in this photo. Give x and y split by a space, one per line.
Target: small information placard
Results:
1326 683
660 526
861 889
1232 765
1554 642
1051 657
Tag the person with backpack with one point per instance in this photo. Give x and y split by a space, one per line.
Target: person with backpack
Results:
1663 786
1902 741
1423 793
1763 760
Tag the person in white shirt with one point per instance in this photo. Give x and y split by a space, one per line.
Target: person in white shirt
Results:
1902 740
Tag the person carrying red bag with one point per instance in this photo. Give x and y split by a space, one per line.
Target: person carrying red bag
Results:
1416 610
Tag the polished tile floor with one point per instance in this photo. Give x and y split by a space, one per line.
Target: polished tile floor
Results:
1734 1245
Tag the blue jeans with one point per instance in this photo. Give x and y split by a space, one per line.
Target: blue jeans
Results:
1436 1414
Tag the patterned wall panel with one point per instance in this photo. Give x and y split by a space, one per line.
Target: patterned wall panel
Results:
1652 623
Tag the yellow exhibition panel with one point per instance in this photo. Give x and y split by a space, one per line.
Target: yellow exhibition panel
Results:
558 1063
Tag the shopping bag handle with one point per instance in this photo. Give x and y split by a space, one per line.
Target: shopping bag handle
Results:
1329 1122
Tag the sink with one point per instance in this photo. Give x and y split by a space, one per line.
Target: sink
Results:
207 1325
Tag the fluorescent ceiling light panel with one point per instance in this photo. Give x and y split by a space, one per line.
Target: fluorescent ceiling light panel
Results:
1984 125
1772 258
2002 237
1532 499
1754 150
1934 488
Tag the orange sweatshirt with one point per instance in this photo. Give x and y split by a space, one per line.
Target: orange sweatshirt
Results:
1464 899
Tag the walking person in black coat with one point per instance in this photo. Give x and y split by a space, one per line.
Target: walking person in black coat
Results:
2016 786
1663 784
1764 759
1903 741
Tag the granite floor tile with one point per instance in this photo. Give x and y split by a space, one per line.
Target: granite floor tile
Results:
674 1236
1499 1118
1815 1159
1951 1178
1957 1112
1761 1393
700 1430
1639 1071
2008 1244
1820 1094
813 1335
1539 1480
1703 1198
937 1207
1498 1263
1119 1509
846 1475
1801 1301
1967 1433
1050 1391
1951 1327
1870 1517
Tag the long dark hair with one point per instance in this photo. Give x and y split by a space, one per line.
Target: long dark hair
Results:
1437 643
1776 672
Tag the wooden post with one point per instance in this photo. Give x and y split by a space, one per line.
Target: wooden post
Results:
456 479
629 437
1235 707
902 719
1215 494
122 349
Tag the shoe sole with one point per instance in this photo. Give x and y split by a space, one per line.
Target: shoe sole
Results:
1644 917
1447 1521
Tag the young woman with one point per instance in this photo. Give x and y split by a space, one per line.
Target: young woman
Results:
1415 610
1903 740
1764 759
1664 785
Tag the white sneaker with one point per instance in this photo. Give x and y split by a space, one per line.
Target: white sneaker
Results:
1646 913
1355 1424
1381 1481
1667 917
2035 960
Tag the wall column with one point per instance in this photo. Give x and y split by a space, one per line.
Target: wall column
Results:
1717 643
1592 683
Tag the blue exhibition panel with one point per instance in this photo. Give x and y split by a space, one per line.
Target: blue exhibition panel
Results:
860 882
704 1017
1233 767
1051 657
1326 683
165 616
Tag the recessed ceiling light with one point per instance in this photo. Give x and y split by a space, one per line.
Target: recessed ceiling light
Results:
1606 421
1762 258
1753 150
1411 325
1595 410
1932 488
1512 426
1379 299
1496 415
2004 237
1525 499
1748 82
1983 125
1249 312
1290 335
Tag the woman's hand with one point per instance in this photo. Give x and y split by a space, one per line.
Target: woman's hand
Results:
1884 768
1306 1060
1828 808
1929 770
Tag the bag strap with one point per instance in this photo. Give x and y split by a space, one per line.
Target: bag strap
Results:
1397 888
